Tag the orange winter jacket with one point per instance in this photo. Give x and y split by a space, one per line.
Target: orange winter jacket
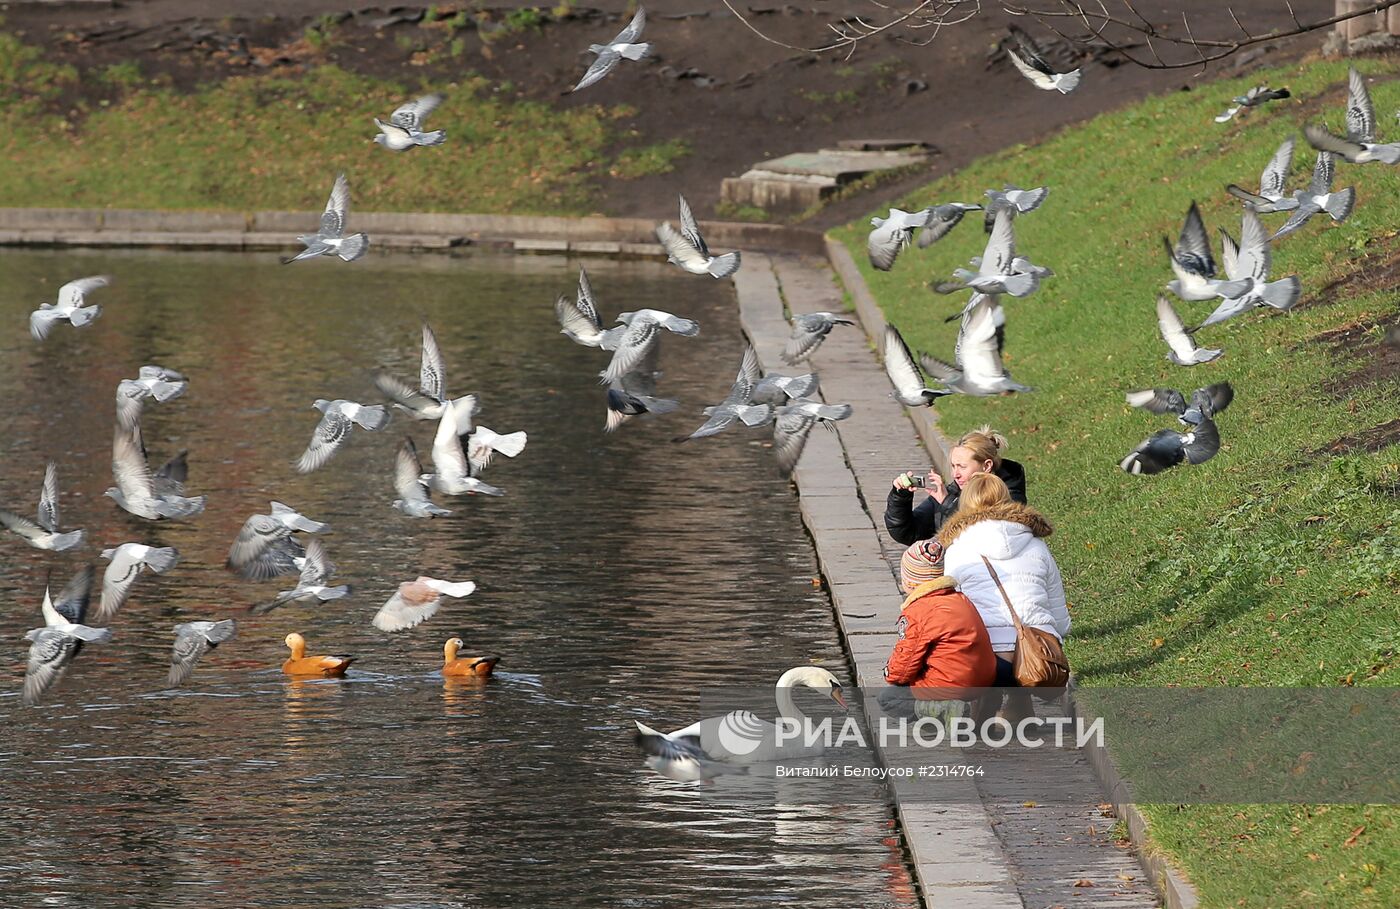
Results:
942 641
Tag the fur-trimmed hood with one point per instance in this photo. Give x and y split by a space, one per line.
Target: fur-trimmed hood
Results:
1012 520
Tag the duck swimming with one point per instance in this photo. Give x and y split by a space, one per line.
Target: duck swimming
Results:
299 664
455 667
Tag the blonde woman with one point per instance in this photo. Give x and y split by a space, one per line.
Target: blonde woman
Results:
977 452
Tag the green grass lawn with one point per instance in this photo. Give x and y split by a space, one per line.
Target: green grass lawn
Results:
276 142
1276 563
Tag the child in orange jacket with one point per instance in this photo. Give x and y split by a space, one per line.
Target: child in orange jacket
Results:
942 640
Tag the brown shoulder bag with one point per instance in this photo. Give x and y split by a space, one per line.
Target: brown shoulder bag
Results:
1040 660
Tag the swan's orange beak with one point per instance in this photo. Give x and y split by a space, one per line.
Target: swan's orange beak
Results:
838 697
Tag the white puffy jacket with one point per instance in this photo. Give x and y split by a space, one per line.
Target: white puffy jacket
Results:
1010 536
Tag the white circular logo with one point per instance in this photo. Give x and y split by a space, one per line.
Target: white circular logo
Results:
740 732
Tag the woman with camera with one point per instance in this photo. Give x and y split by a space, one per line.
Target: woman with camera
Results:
977 452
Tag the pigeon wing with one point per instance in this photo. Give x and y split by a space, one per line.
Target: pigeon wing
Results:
1322 140
633 31
73 293
48 499
1254 258
1158 400
1193 246
1031 69
190 645
408 469
978 356
72 602
448 456
49 654
899 364
790 431
318 568
681 249
741 392
330 434
1275 175
129 469
587 304
606 62
1361 116
337 209
633 347
431 378
410 116
1322 174
691 230
1001 246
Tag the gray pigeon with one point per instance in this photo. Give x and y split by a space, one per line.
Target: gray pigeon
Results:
793 423
425 403
1272 181
127 561
635 393
1319 197
157 496
610 54
151 382
408 483
1256 96
579 319
1167 448
405 127
909 388
945 217
330 240
43 533
1194 266
264 547
192 641
996 272
1182 350
688 250
337 419
893 234
1359 146
737 405
1205 402
1248 264
979 370
1014 200
776 390
643 330
61 639
311 585
69 307
1029 60
808 332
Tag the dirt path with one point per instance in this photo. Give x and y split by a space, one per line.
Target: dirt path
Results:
732 98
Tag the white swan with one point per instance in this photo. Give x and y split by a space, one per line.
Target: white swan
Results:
727 744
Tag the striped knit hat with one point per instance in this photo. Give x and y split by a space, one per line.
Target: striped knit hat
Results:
921 562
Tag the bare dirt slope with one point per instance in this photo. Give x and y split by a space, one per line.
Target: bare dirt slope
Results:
731 97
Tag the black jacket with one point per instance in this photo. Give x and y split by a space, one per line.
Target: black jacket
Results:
907 524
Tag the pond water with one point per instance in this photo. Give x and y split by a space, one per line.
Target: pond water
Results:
617 578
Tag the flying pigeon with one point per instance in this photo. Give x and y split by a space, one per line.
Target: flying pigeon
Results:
330 240
337 418
1205 402
996 272
264 547
151 382
793 422
945 217
643 330
979 370
405 127
1182 350
311 585
688 250
1359 146
417 601
1319 197
408 483
42 533
893 234
579 319
69 307
192 641
127 561
624 45
1249 264
808 331
1013 199
425 403
1028 59
157 496
1256 96
483 443
1272 181
777 390
1194 266
737 405
1168 448
909 388
55 645
635 393
452 473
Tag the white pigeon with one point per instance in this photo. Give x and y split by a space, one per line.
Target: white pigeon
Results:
311 584
43 533
688 250
483 443
337 419
1319 197
451 471
1028 59
127 561
909 388
192 641
643 330
151 382
55 645
69 307
426 402
408 483
624 45
979 370
893 234
1182 350
330 240
417 601
405 127
1359 146
157 496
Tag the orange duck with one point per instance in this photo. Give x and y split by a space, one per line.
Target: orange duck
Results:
456 667
299 664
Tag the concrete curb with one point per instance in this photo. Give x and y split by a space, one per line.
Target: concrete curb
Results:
1170 884
389 230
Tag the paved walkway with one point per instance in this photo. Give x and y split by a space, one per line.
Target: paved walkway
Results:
1031 832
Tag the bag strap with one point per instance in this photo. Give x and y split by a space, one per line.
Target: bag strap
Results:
1016 619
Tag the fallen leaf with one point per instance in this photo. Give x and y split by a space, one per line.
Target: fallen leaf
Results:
1355 835
1028 804
1158 642
1084 882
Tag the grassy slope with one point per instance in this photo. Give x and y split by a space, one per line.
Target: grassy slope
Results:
269 142
1270 565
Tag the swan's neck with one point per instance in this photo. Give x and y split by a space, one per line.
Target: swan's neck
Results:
786 707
